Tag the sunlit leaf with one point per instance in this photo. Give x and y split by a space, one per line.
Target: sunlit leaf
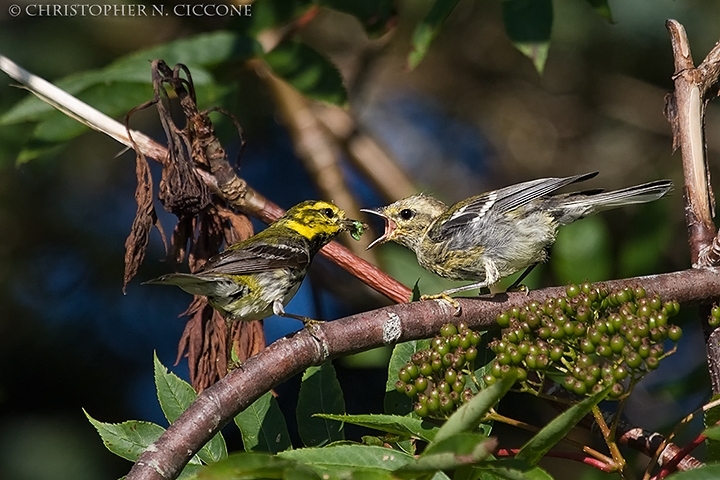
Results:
395 424
349 456
175 396
460 450
468 417
127 439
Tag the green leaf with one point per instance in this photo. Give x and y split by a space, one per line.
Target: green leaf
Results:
398 403
708 472
602 8
375 15
128 439
461 450
175 396
257 465
320 392
308 71
468 417
395 424
349 456
204 50
558 428
263 427
528 23
428 28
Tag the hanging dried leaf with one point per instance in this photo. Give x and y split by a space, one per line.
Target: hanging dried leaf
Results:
204 222
182 234
145 217
247 339
182 192
204 344
238 227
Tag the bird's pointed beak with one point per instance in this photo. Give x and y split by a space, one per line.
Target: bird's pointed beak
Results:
390 226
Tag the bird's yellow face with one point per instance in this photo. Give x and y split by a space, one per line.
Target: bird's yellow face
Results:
407 220
317 219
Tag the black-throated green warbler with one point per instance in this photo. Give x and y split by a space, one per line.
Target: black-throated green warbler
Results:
255 278
493 235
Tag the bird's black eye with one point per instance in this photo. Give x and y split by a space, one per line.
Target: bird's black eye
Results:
328 212
406 214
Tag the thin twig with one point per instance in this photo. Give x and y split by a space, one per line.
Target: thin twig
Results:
578 457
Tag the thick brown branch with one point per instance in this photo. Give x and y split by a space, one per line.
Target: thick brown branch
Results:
685 110
217 405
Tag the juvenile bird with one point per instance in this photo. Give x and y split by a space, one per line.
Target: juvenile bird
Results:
255 278
493 235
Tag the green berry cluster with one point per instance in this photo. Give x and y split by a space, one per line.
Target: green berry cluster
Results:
591 336
438 377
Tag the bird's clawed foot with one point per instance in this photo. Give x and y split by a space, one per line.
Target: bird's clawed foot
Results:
446 298
520 287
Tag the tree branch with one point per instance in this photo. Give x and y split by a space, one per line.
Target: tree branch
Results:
685 110
217 405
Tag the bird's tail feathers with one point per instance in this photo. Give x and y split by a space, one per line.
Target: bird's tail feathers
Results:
644 193
193 284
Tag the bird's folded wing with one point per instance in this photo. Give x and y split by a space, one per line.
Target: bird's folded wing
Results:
499 201
259 257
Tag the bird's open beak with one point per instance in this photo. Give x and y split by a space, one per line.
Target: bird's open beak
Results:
390 226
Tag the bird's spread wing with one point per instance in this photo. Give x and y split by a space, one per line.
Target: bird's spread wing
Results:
499 201
258 257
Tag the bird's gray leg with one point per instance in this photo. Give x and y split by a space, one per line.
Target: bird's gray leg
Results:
279 310
519 287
